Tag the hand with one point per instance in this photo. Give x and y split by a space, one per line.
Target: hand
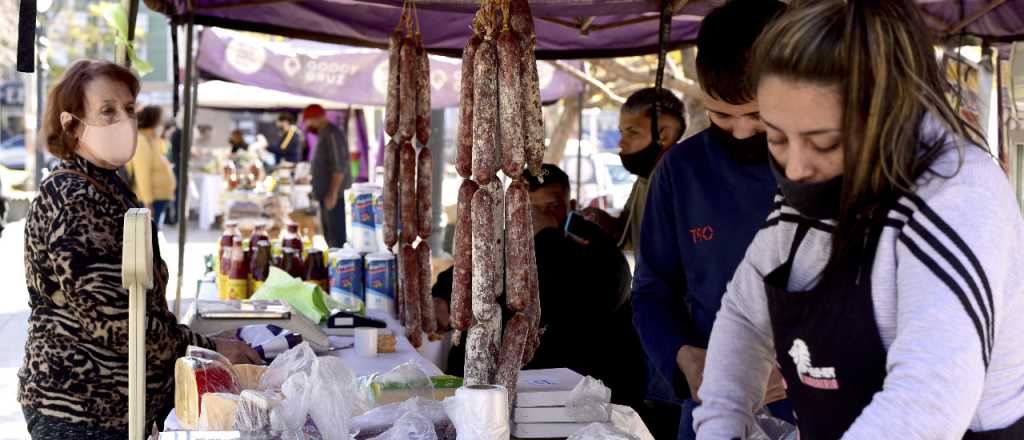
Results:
332 201
605 221
441 312
776 387
691 362
236 351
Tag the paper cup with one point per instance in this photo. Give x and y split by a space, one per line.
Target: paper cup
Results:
366 341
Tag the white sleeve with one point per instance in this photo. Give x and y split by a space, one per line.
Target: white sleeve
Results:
740 353
950 281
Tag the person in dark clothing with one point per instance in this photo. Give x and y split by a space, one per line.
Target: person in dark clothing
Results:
707 199
237 142
289 146
332 174
584 292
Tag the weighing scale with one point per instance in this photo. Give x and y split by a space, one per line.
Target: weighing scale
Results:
210 317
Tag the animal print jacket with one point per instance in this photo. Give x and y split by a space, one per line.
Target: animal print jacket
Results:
76 357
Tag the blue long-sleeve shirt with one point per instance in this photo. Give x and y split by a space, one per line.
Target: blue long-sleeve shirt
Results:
703 210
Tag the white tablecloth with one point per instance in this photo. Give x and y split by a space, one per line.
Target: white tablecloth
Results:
207 197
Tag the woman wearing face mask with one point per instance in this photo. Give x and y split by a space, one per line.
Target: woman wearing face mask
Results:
887 283
73 380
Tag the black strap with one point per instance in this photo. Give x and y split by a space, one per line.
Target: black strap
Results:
801 232
664 32
27 36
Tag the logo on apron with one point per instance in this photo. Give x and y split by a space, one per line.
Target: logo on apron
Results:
814 377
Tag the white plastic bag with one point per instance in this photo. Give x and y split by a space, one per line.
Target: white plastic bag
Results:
334 398
411 426
589 401
771 428
601 431
297 360
380 419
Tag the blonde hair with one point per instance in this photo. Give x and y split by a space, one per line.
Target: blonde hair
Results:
880 58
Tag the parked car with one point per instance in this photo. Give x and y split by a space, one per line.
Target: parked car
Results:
621 179
594 180
13 153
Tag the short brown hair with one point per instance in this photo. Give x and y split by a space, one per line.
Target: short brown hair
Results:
68 95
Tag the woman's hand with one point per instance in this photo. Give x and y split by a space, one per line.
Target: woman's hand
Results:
236 351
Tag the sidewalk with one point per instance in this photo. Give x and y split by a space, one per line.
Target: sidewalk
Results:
14 309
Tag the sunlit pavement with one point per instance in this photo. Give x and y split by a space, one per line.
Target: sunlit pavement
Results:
14 306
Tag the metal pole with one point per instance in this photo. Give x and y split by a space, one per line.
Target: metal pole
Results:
41 69
579 144
131 7
183 155
437 150
1003 153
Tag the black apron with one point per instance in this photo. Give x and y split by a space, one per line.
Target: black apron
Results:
828 346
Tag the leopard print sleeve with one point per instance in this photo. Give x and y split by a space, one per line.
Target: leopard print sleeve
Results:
90 282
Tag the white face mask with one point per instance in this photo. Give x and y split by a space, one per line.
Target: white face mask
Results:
112 145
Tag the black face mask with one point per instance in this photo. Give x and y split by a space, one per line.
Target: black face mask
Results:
818 200
642 162
752 150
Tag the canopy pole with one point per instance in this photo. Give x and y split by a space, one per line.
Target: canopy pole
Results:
579 143
183 155
975 16
1003 153
131 7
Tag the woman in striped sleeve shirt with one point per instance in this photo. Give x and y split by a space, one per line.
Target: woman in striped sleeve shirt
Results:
887 283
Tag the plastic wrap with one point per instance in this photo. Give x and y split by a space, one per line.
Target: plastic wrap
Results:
479 412
601 431
411 426
380 419
627 420
772 428
589 401
408 379
199 372
218 412
253 413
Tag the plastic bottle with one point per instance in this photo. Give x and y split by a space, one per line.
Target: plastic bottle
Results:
259 233
292 240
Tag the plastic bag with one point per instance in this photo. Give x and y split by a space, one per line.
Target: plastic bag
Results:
771 428
589 401
305 298
601 431
334 398
290 363
411 426
627 420
380 419
323 391
254 407
402 383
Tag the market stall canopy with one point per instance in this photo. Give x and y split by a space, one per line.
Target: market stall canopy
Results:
565 28
226 95
343 74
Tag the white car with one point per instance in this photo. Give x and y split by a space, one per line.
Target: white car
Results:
604 182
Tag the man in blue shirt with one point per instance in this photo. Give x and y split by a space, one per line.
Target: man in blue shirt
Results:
707 200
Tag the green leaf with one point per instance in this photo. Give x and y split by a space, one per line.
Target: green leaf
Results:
140 65
114 14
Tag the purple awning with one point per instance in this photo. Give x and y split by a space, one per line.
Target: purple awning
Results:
337 73
565 28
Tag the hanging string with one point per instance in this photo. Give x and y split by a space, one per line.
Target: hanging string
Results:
664 33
